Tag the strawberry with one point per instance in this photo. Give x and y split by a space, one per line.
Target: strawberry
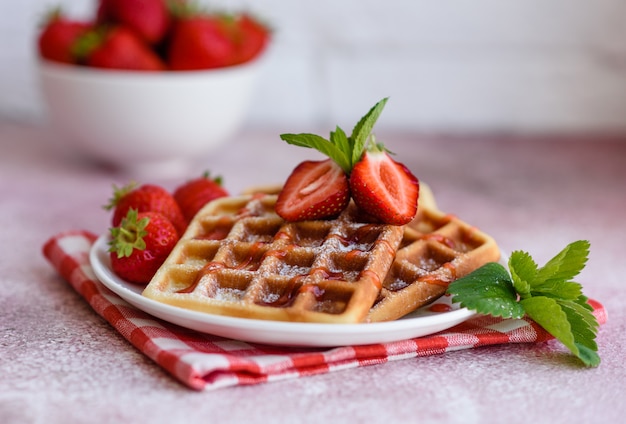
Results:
58 37
384 188
201 41
150 19
118 48
145 198
196 193
314 190
251 38
381 187
140 244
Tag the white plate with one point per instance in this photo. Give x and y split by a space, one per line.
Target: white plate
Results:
422 322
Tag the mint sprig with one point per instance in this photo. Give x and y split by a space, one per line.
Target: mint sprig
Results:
547 295
345 150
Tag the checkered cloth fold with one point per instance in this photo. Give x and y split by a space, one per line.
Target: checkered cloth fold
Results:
203 361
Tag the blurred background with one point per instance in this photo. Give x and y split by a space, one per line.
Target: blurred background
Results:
448 66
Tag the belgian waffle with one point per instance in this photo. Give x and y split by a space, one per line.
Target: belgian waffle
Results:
239 258
436 249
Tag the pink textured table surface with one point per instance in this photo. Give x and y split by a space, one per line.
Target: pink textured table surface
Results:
60 362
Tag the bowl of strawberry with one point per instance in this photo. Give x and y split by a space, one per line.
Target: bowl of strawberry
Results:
149 83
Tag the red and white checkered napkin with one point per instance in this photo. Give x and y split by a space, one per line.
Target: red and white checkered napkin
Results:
203 362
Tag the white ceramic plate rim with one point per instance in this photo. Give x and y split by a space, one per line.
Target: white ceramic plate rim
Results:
420 323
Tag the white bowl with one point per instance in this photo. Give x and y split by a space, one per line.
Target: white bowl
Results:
151 120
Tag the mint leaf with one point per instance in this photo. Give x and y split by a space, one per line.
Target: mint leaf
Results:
566 264
363 129
340 139
321 144
548 314
345 151
487 290
583 301
584 320
589 356
523 272
568 322
546 295
559 289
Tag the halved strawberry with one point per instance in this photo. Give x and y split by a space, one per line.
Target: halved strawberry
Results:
380 186
384 188
314 190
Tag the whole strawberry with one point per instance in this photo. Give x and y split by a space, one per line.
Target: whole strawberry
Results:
118 48
145 198
201 41
140 245
58 37
196 193
384 188
252 37
150 19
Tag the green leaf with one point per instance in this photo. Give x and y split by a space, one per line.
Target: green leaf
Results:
340 139
548 314
566 265
319 143
487 290
569 322
363 129
583 321
523 272
345 151
589 357
547 295
583 301
569 290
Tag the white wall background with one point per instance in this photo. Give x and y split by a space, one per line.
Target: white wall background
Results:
448 65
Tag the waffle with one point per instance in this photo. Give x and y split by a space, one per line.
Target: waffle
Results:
436 249
239 258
